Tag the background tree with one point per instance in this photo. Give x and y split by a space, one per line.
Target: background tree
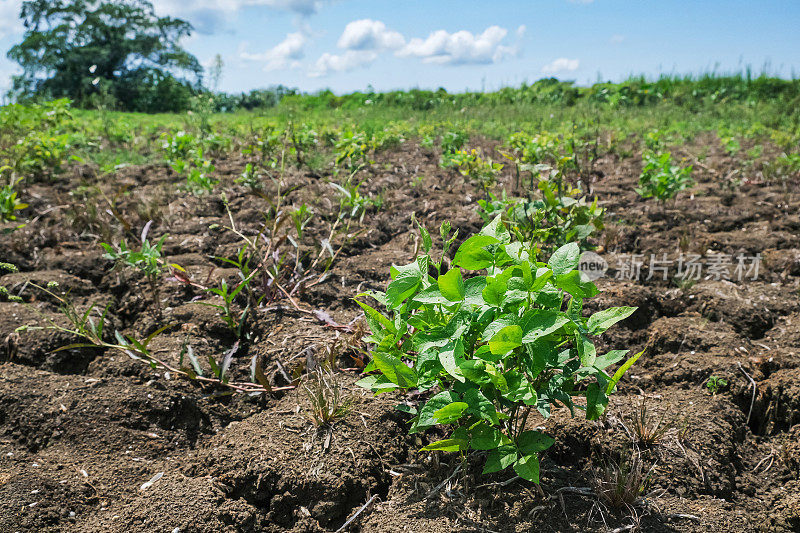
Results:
117 48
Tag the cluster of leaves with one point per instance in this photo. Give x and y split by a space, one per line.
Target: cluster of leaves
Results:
9 203
661 178
184 153
557 215
147 259
471 165
35 139
496 346
451 142
353 204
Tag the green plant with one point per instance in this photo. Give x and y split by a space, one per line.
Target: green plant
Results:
498 346
620 484
352 203
556 216
715 384
9 204
148 260
471 165
251 177
661 178
326 398
236 322
452 142
648 431
352 150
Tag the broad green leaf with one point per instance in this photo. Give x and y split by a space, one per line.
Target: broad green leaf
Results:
506 339
402 286
496 229
565 259
395 370
539 323
500 459
596 401
426 418
451 285
481 406
447 445
431 295
602 320
450 356
575 285
604 361
495 292
485 437
375 320
450 413
531 442
473 290
586 350
472 255
527 467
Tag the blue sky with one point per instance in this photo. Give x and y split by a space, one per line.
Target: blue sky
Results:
347 45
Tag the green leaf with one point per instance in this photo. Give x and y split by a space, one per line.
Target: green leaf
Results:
497 230
500 459
395 370
575 285
376 321
565 259
451 285
495 292
473 290
602 320
481 406
539 323
506 339
621 371
596 401
608 359
485 437
450 356
447 445
403 286
531 442
450 412
426 418
472 255
527 467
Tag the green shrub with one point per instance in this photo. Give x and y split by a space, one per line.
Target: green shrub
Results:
661 178
494 347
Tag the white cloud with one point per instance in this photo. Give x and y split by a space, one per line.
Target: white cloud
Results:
286 54
616 38
10 23
562 64
461 47
368 34
176 7
349 60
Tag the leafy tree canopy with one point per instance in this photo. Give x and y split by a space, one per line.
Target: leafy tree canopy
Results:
113 49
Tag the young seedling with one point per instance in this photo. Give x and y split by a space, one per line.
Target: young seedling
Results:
648 430
715 384
9 204
236 322
148 260
620 484
327 399
500 346
661 178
